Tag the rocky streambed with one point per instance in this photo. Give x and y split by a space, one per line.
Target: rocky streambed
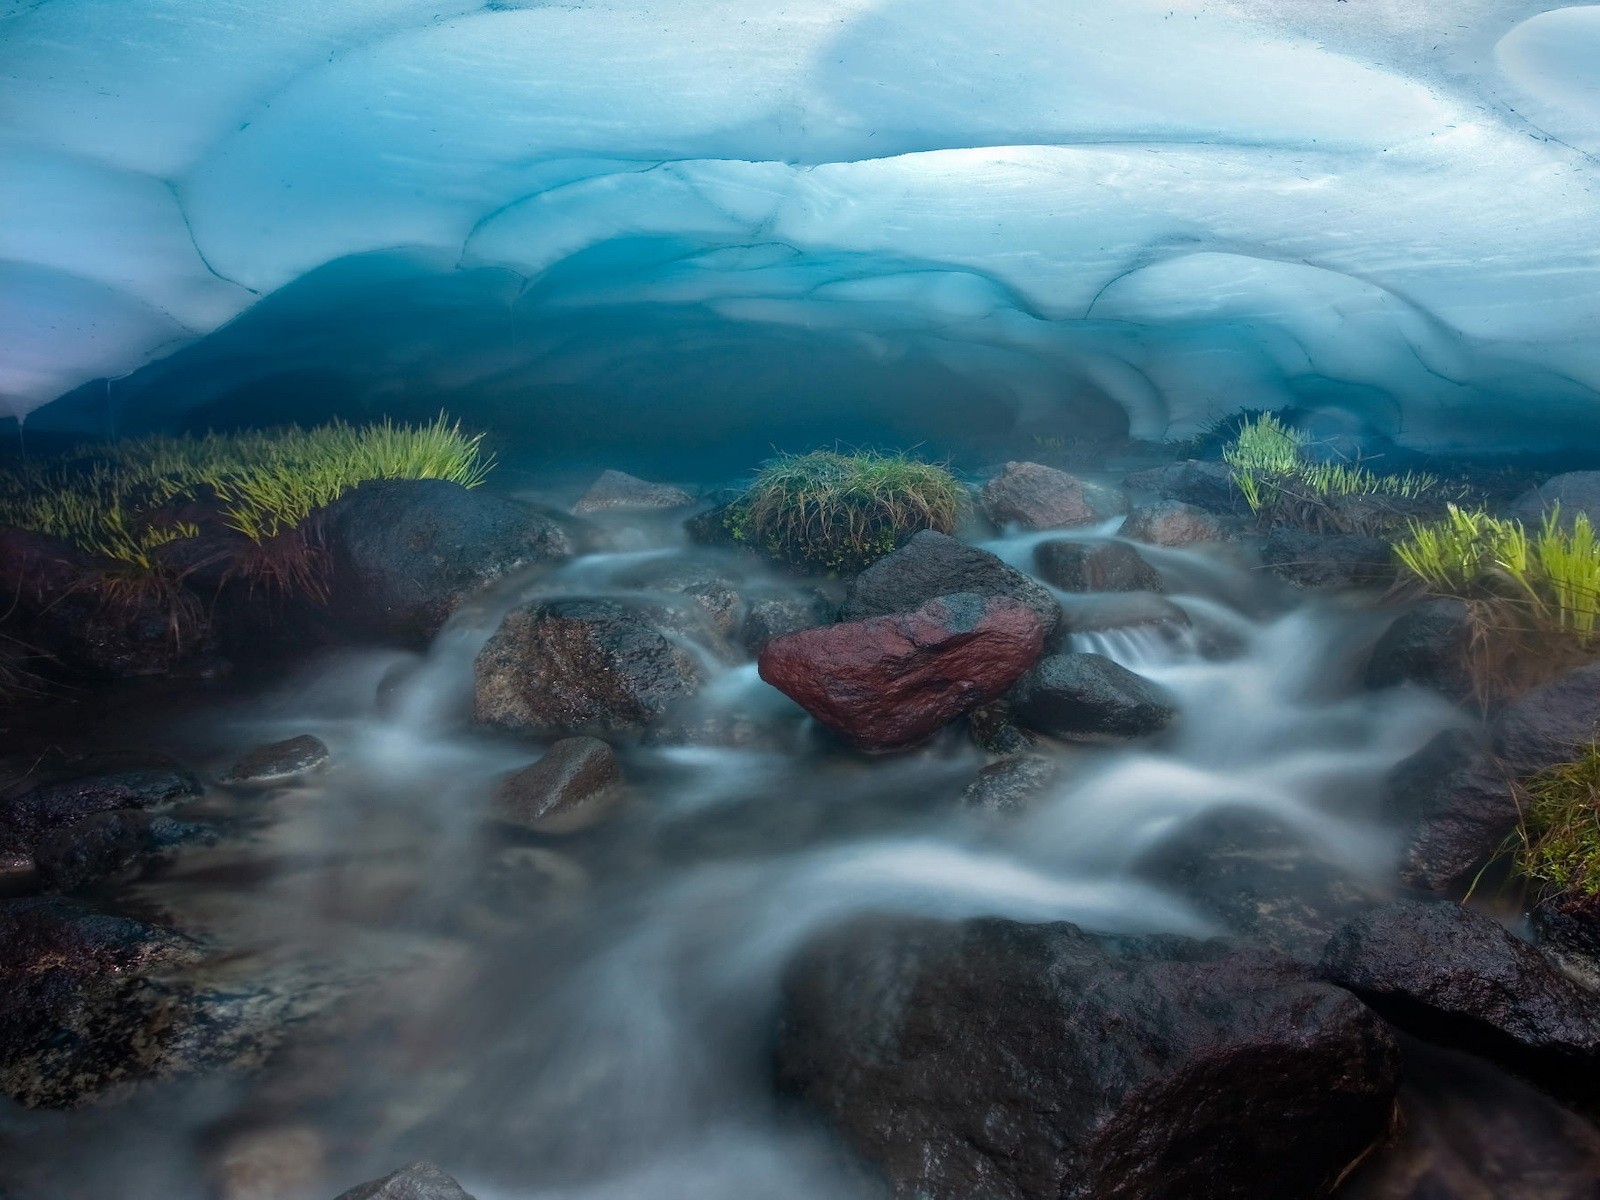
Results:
1090 853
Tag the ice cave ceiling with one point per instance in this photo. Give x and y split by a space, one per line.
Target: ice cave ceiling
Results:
1018 211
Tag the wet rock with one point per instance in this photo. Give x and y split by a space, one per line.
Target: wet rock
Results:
1172 523
892 681
1207 485
1457 807
1017 1061
419 1181
993 727
577 784
277 762
773 616
1095 567
1258 879
1457 798
1427 645
706 585
72 998
24 819
616 490
575 666
1576 492
1568 933
104 845
405 553
712 527
1088 697
1035 496
1122 610
1314 560
1012 784
1450 975
931 564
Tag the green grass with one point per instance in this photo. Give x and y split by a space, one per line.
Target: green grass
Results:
1559 850
1552 574
1282 486
125 500
842 512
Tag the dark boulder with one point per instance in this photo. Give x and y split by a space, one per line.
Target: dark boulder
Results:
1095 567
277 762
25 818
1576 492
1172 523
1428 645
1035 496
616 490
1457 800
405 553
1012 784
73 1007
931 564
104 845
1258 879
1204 484
574 666
1315 560
1454 976
1088 697
419 1181
577 783
1016 1062
892 681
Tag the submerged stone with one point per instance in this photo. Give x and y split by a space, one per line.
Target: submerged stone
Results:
278 762
617 490
576 784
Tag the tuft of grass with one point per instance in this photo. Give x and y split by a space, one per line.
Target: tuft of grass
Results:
843 512
1558 840
1553 575
1281 485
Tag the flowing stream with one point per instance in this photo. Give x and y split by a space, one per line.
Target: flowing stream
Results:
591 1017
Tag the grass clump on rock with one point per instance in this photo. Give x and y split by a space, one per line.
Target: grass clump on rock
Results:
1549 579
1559 851
126 501
1268 463
842 512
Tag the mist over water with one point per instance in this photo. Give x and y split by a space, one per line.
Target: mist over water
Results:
612 1040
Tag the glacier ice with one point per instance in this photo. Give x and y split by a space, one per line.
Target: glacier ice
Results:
1175 209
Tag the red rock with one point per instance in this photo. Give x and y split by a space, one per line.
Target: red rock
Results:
889 682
